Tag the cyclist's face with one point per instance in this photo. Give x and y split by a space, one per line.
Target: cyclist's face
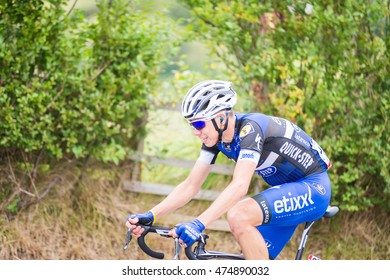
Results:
208 135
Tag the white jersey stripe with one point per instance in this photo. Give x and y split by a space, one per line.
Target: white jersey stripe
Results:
273 156
289 130
269 161
206 156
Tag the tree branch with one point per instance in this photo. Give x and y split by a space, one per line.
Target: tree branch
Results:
43 194
71 9
35 170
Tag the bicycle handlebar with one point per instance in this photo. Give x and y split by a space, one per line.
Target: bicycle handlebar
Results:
162 231
200 252
190 254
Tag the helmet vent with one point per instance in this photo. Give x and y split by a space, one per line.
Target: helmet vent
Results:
206 104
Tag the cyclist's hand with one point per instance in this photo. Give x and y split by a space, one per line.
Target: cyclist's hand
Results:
190 232
146 219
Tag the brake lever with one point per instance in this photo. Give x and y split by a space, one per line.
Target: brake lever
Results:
166 233
177 249
163 232
128 239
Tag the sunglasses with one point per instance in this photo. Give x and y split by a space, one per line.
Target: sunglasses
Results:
198 125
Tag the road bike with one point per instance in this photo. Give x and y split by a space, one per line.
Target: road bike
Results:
198 250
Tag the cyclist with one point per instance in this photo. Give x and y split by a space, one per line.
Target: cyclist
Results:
288 160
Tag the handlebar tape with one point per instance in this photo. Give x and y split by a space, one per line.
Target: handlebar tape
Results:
190 255
146 249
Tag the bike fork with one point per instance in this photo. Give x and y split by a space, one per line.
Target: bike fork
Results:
302 244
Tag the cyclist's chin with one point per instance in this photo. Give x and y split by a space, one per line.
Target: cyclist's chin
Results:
209 142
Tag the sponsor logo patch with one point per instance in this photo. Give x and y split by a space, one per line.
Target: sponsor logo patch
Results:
295 153
269 244
297 128
321 153
258 140
247 156
293 203
301 139
247 129
266 211
277 120
319 188
268 171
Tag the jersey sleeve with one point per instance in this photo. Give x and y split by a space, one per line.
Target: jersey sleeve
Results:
208 154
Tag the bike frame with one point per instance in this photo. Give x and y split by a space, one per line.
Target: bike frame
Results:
330 212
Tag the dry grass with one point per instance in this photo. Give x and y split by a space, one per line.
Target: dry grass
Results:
348 236
90 225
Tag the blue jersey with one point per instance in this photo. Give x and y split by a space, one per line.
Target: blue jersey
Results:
282 151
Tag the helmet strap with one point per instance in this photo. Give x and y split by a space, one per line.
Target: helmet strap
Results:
220 130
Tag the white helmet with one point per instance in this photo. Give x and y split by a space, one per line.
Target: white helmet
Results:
207 98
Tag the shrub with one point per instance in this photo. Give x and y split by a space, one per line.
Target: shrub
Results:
322 64
76 89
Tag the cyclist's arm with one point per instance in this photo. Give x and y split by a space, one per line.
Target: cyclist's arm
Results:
185 191
234 192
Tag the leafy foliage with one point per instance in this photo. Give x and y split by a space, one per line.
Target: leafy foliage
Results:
76 89
322 64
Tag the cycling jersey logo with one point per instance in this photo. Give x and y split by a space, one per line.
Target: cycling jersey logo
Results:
321 153
301 139
247 129
305 159
292 203
258 140
247 156
191 232
266 212
268 171
297 128
269 244
227 147
319 188
277 120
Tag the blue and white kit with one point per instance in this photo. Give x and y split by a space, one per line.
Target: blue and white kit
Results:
288 160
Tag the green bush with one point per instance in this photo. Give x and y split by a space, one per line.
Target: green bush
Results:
322 64
74 87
